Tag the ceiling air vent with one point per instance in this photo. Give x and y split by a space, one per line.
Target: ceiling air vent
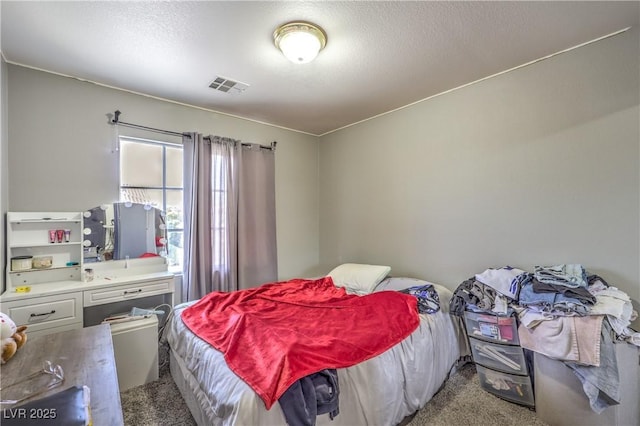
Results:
226 85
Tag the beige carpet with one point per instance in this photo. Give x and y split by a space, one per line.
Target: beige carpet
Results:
460 402
463 402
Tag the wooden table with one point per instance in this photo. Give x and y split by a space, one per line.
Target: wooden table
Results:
86 356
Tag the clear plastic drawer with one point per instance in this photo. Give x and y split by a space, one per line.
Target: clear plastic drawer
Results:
511 387
492 327
509 359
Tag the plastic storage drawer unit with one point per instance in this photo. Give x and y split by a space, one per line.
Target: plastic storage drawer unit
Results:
511 387
509 359
492 327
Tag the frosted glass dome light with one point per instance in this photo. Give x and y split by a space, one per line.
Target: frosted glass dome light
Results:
300 42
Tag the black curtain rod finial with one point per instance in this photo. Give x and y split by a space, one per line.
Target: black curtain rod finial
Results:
116 116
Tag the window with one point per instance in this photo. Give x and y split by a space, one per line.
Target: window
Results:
151 173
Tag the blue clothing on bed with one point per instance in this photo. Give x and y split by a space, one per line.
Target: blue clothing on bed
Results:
428 299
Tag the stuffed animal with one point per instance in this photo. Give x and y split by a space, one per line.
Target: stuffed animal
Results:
12 337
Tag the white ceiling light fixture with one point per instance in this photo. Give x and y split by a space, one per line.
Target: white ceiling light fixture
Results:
300 41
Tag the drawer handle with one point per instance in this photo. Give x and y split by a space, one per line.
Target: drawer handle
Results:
53 311
132 292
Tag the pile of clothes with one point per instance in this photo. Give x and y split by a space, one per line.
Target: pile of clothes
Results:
564 313
427 298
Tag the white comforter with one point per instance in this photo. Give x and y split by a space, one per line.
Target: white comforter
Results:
380 391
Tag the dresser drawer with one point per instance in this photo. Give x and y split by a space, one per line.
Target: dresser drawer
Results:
511 387
126 292
33 333
492 327
48 312
509 359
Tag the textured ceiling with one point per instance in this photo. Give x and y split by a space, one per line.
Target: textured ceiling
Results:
380 55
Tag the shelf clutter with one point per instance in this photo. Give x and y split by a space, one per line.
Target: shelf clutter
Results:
43 247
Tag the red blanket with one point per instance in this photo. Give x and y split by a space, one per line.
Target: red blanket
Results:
277 333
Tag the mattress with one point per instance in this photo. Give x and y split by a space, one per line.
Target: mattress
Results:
381 391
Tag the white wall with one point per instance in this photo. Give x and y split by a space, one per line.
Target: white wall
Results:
60 153
538 166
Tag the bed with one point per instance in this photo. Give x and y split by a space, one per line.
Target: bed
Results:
382 390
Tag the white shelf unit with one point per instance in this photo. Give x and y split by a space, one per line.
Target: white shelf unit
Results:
28 235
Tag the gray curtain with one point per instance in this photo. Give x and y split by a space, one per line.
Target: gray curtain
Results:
229 215
257 252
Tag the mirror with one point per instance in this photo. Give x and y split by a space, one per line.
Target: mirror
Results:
123 230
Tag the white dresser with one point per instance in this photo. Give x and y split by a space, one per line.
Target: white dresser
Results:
51 307
560 400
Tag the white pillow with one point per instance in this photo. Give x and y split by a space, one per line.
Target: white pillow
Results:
359 277
400 283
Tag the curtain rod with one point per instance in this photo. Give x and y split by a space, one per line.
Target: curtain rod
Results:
271 147
116 120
